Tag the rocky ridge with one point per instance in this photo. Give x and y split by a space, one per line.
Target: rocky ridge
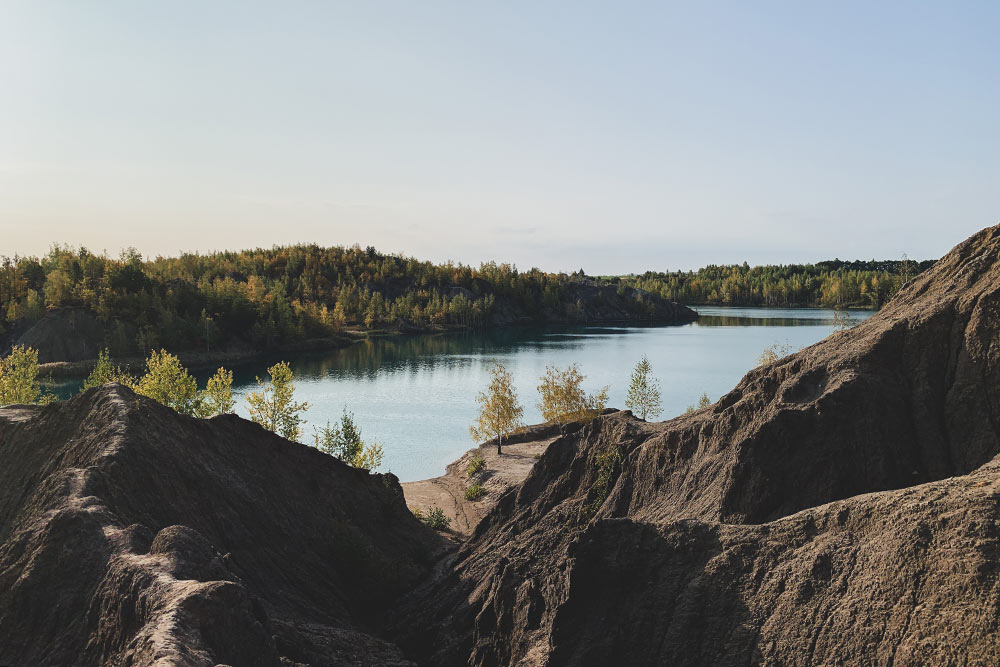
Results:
711 538
838 506
131 535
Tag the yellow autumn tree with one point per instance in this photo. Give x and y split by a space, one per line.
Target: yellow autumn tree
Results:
563 397
500 411
274 407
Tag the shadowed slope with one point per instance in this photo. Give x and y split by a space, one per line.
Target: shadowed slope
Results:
131 534
906 398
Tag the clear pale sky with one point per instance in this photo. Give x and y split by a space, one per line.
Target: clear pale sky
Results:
613 136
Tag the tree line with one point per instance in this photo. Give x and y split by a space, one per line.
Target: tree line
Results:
831 284
266 298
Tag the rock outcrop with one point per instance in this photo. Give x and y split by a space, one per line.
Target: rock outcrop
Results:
839 506
131 535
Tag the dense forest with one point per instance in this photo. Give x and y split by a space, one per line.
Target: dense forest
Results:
269 297
832 284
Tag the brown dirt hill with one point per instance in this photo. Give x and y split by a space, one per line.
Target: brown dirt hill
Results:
692 541
131 535
65 334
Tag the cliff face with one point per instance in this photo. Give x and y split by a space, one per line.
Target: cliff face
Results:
130 534
693 542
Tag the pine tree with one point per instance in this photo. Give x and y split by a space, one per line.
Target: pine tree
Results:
643 397
500 411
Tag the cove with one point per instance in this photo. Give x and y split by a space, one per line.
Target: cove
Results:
416 394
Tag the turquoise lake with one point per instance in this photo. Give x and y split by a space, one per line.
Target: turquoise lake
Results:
416 394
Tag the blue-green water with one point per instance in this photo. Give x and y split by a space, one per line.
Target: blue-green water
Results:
416 395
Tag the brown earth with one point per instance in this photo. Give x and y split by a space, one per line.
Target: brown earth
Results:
840 506
131 535
499 474
701 548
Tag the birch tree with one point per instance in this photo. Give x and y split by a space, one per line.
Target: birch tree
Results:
500 411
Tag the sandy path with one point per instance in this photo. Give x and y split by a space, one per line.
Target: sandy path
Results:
448 490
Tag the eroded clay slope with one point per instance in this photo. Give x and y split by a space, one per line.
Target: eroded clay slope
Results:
130 535
906 398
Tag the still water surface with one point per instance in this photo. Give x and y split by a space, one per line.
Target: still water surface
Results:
416 394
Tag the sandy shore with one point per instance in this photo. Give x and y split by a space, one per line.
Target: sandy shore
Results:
500 473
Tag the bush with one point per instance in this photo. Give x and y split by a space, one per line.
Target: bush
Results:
168 382
105 372
563 398
19 378
436 519
273 406
608 462
344 441
477 463
474 491
772 353
703 402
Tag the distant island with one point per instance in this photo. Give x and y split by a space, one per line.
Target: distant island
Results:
72 303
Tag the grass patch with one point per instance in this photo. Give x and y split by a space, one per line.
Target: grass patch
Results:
608 462
474 491
477 463
434 518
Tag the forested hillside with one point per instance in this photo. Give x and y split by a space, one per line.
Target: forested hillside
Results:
833 284
267 298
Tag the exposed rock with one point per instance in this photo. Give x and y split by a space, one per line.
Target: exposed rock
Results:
130 534
697 544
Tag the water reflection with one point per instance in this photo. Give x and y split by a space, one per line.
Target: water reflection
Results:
416 394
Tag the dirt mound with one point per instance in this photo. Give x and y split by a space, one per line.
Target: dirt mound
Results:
130 534
679 543
65 334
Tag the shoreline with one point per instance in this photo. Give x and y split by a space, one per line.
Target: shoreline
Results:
520 453
71 370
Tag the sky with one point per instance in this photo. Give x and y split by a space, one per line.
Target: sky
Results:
615 137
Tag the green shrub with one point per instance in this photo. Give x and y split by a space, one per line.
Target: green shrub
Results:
477 463
703 402
104 372
344 441
474 491
19 376
436 519
608 462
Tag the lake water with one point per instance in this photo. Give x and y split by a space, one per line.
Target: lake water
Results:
416 395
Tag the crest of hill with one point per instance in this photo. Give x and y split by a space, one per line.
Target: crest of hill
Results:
130 534
836 507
